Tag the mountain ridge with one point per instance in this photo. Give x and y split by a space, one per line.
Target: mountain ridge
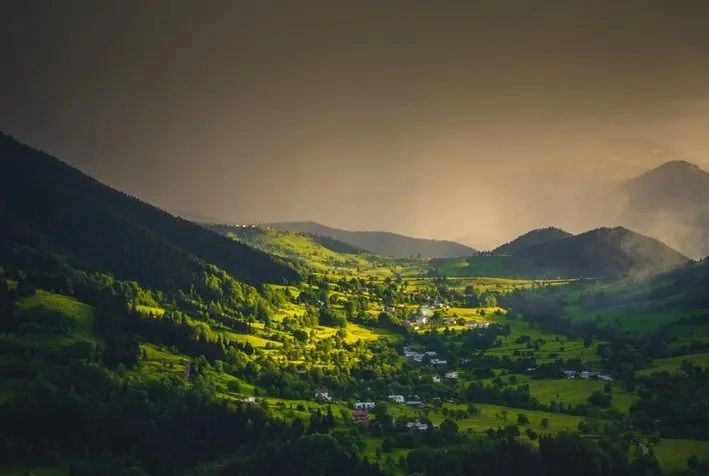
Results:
383 243
602 252
78 216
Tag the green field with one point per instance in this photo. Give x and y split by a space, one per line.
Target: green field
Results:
46 306
673 454
554 346
575 391
673 364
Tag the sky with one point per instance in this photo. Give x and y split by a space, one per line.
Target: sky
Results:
459 120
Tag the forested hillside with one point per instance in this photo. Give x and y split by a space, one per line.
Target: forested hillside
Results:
603 252
46 202
534 237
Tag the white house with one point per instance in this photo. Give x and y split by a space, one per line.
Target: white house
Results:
436 379
453 374
365 405
397 398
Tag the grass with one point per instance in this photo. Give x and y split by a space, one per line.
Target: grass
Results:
490 417
672 454
632 318
574 391
303 250
554 344
672 364
158 311
355 333
44 304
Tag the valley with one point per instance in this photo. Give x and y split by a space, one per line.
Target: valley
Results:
164 347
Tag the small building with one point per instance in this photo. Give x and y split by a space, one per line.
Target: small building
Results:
438 362
436 379
396 398
452 375
365 405
417 426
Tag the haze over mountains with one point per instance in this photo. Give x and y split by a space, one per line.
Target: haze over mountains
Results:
381 242
670 203
601 252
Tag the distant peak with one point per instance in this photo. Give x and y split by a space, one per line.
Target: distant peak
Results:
674 170
678 164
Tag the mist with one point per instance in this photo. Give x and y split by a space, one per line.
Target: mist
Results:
472 123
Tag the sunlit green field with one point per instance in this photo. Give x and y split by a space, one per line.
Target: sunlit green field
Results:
48 305
575 391
554 345
492 416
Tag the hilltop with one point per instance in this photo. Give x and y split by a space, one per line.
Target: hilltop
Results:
381 242
303 250
602 252
534 237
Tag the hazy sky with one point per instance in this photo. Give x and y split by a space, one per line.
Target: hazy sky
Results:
437 119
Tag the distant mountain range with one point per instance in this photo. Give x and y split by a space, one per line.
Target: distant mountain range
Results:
381 242
540 235
671 203
602 252
49 209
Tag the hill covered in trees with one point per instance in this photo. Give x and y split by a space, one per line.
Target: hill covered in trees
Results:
46 204
602 252
534 237
381 242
